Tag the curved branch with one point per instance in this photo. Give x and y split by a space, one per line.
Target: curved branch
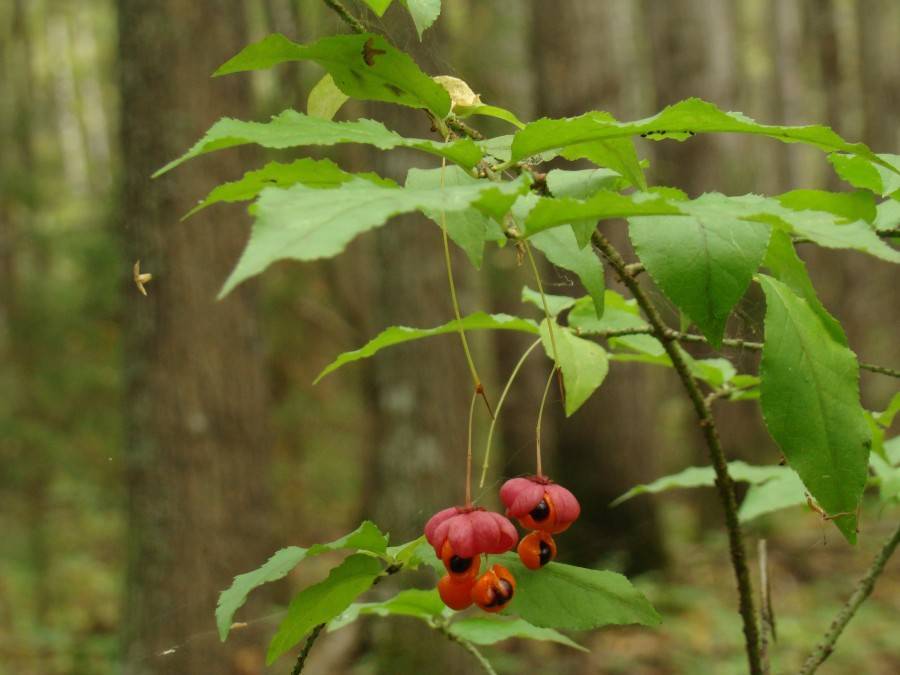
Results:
863 589
346 16
728 342
724 483
304 653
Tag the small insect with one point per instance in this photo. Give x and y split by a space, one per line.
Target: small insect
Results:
141 278
369 52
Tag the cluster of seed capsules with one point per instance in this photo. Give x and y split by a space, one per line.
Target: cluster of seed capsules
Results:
461 536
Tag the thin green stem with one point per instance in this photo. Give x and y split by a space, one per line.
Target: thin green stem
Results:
490 436
724 482
537 429
469 450
540 285
863 589
479 388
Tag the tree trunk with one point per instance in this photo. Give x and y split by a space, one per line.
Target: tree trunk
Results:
197 446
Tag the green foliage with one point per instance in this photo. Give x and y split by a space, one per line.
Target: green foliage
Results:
325 99
322 602
291 129
619 314
679 122
413 602
561 248
489 630
398 334
556 304
378 6
367 537
702 253
858 205
575 598
785 265
303 223
470 228
583 363
810 402
423 12
881 177
783 491
705 476
321 174
603 205
365 67
703 262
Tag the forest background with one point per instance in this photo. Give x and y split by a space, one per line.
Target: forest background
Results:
113 549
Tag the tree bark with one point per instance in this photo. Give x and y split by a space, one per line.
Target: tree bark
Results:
197 444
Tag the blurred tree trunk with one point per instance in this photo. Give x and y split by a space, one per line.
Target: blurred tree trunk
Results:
197 445
19 185
610 444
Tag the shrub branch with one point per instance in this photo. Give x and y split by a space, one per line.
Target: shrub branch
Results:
728 342
724 483
863 588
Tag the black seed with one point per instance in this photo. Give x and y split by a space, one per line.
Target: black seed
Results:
459 565
545 554
506 591
541 511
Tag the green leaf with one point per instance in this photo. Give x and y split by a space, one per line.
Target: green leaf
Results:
619 314
291 129
885 418
302 223
468 229
551 212
562 249
703 262
366 537
325 99
583 184
321 173
489 630
887 471
617 154
858 205
492 111
810 401
825 231
679 122
887 215
398 334
423 12
786 266
408 554
365 67
556 304
881 176
424 605
783 491
574 598
323 601
378 6
583 363
705 476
